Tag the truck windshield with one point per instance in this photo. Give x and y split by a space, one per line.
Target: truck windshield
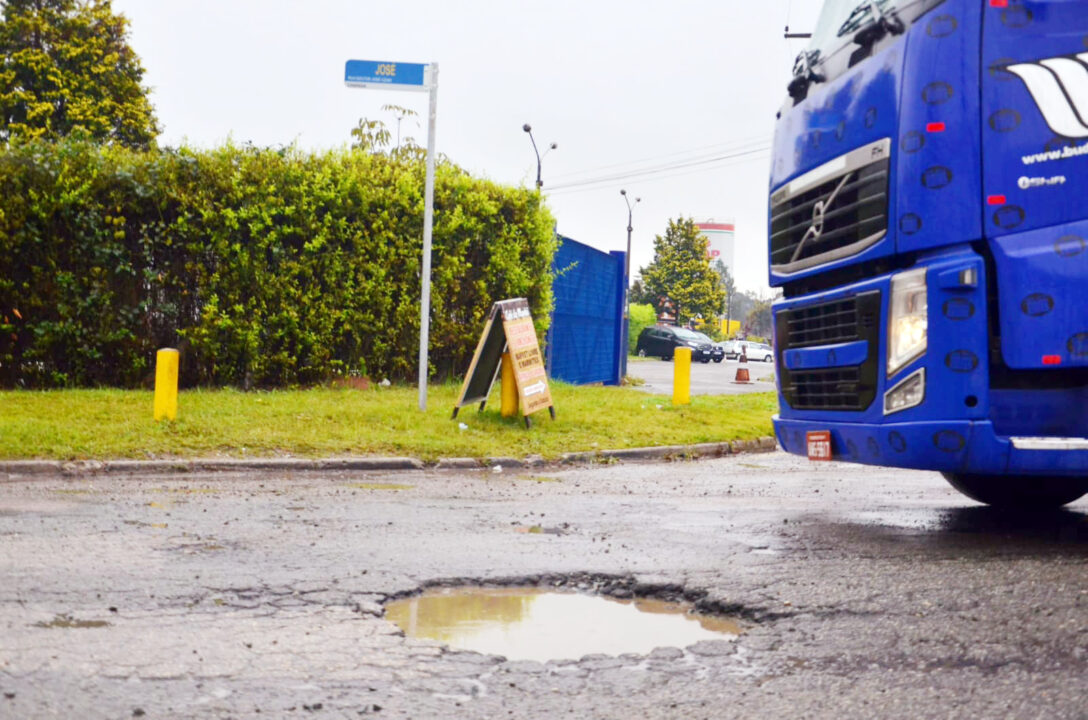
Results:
842 18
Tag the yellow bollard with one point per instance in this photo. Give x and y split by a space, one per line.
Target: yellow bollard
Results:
166 384
681 376
509 406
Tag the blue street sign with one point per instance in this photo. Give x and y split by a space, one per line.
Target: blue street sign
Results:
387 75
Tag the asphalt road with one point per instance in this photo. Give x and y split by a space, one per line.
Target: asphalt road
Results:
862 592
706 379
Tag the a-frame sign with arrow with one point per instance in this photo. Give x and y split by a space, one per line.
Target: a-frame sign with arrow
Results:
509 326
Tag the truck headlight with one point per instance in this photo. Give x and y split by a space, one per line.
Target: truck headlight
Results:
908 320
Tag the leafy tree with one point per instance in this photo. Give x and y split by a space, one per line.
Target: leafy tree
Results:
729 288
370 136
375 137
637 294
758 321
681 272
741 304
400 113
66 69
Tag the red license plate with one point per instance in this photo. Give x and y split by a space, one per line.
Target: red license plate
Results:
819 444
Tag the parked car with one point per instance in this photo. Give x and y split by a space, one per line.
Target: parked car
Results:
753 350
662 341
728 348
716 353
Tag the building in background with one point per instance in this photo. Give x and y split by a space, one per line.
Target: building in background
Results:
721 242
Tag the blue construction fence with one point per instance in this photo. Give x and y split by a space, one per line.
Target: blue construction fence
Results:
587 342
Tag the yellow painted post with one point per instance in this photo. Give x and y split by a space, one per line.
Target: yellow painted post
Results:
166 384
681 376
509 406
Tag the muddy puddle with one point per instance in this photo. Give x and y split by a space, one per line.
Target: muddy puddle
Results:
537 624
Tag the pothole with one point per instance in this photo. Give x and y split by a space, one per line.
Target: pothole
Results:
532 623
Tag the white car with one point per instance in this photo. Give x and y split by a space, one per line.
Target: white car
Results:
728 347
753 350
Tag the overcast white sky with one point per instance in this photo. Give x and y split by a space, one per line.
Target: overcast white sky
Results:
620 86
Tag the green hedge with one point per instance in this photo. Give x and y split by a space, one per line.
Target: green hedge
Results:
641 317
267 268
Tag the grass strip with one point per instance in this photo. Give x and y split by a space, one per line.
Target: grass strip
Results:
325 422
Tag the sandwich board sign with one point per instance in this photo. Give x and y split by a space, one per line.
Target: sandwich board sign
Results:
509 326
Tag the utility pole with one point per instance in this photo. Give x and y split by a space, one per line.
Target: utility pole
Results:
627 286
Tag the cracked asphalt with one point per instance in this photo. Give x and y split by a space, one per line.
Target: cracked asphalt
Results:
863 592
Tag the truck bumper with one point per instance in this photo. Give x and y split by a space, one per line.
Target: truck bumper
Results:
964 446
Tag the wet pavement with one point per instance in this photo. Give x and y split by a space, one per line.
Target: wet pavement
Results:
861 592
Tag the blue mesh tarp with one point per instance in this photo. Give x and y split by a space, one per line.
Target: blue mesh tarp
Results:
585 339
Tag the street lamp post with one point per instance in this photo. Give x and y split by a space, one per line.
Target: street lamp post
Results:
529 129
627 284
627 270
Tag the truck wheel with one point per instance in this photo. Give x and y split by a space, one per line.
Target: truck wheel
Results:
1018 491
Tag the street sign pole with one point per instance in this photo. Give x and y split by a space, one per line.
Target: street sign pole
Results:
412 77
428 221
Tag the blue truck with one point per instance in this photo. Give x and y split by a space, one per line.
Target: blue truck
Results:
928 228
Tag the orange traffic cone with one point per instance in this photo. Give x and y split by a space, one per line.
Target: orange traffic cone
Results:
742 376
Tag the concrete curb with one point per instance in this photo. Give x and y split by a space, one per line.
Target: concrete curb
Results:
666 453
129 467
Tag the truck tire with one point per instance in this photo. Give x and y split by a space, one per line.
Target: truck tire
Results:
1018 491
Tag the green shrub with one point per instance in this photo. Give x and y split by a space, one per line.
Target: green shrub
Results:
267 268
641 316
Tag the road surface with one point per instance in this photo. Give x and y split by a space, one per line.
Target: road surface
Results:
862 592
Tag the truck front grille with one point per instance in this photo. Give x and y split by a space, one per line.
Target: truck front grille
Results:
824 324
829 323
827 389
832 212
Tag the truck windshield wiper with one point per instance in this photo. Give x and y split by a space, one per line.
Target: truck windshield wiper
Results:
880 24
804 74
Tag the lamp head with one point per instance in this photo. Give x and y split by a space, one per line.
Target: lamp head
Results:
527 127
623 192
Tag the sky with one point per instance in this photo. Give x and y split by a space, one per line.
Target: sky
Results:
673 102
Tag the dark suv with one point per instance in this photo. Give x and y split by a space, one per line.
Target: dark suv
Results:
662 340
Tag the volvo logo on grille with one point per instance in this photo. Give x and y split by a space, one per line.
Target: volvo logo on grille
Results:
819 216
